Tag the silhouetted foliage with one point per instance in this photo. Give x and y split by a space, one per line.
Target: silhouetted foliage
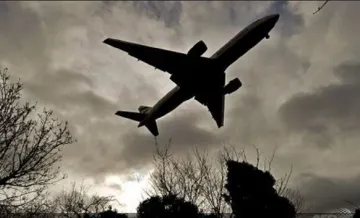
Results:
112 214
200 179
357 213
209 215
251 193
167 206
29 146
296 199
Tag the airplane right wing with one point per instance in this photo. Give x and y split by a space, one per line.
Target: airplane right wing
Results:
165 60
215 102
216 107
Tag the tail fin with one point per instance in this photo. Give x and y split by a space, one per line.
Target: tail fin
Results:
151 125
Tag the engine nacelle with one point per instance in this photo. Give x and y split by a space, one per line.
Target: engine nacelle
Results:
232 86
198 49
144 109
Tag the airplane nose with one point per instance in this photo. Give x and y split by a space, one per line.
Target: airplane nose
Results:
274 18
271 20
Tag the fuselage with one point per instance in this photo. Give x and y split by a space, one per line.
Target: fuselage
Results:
224 57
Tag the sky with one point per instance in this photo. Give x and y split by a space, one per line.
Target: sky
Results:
300 90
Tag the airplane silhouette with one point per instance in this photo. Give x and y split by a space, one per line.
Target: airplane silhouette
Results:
194 76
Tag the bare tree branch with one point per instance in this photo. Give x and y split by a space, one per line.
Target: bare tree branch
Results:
29 146
76 201
199 178
297 199
321 7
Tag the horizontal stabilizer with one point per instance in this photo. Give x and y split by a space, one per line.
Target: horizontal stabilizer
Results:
131 115
136 116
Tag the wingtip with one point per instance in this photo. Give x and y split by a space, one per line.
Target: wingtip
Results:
155 133
118 113
107 40
220 125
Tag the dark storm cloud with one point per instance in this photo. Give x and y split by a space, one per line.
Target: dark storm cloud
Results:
327 193
27 43
336 104
22 36
246 119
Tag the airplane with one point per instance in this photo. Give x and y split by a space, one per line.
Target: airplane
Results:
201 78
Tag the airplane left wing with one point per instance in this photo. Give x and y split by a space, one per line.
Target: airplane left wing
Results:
165 60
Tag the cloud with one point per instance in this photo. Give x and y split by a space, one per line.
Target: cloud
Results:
169 12
22 39
327 117
328 193
115 187
334 106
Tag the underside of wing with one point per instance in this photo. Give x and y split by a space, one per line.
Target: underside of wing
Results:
214 98
165 60
215 103
216 107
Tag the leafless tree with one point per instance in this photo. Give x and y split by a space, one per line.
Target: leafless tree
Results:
41 207
194 178
76 201
199 179
73 202
29 146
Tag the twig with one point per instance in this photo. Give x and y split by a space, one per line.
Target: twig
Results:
321 7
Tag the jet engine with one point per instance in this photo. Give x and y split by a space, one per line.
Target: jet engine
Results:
232 86
198 49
